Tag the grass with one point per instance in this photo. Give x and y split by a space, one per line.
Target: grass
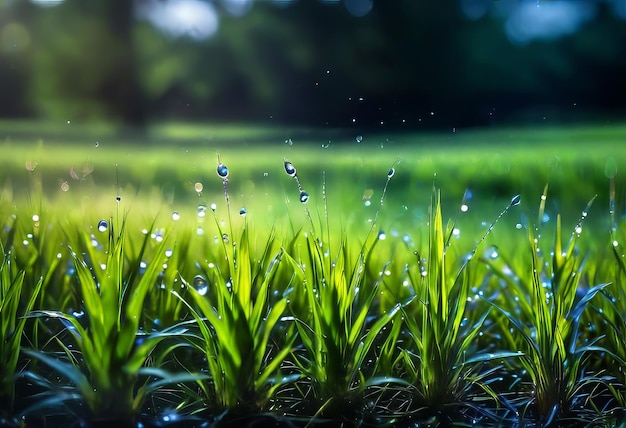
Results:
130 295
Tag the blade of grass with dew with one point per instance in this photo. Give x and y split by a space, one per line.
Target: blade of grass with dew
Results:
439 368
110 354
548 328
236 332
12 323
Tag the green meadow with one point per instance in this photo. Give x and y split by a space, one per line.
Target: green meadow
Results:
220 275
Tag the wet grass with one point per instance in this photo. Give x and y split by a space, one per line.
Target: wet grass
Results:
428 280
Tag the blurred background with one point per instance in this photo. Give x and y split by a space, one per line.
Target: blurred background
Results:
393 64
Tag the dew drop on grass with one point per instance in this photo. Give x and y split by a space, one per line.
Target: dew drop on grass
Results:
199 231
201 210
304 197
382 236
213 206
243 212
65 186
516 200
78 314
222 170
200 284
391 172
175 216
359 138
367 203
290 169
103 226
225 238
169 252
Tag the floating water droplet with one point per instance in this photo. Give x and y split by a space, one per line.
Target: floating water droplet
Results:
200 284
222 170
304 197
103 226
359 138
175 216
289 141
290 169
243 212
391 172
516 200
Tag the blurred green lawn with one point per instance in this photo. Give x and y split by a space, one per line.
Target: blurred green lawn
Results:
82 168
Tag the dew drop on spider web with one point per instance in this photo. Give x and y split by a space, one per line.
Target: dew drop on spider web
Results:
304 197
200 284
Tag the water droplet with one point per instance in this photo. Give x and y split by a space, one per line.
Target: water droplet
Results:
367 203
65 186
382 236
198 187
213 206
290 169
103 226
464 208
391 172
516 200
359 138
200 284
615 243
579 229
78 314
201 210
304 197
222 170
289 141
118 198
169 252
243 212
225 238
175 216
585 214
456 232
97 144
